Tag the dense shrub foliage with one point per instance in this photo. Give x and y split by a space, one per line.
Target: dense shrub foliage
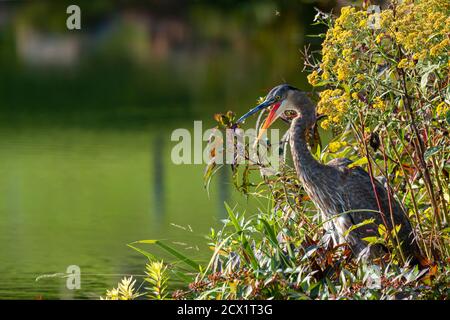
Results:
385 76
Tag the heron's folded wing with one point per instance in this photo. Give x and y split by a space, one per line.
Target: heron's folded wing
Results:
359 199
358 193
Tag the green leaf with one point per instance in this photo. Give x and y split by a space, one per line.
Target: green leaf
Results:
424 81
382 229
424 78
359 225
331 286
245 180
233 218
321 35
446 230
431 151
396 230
358 162
270 232
447 117
372 240
143 252
182 276
172 251
245 244
210 171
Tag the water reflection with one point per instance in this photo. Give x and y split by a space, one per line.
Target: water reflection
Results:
159 196
223 186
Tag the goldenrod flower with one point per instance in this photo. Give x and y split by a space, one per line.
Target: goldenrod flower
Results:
325 75
335 146
342 72
442 109
351 61
379 38
362 23
404 64
325 124
379 104
313 78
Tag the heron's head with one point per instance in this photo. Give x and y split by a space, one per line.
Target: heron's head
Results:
286 102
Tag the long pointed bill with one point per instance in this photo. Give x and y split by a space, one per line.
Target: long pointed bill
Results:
259 107
273 115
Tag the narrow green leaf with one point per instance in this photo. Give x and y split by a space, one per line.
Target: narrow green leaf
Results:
173 252
233 218
270 232
431 151
358 225
145 253
372 240
245 244
358 162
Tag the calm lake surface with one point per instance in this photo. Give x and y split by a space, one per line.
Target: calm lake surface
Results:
78 196
85 126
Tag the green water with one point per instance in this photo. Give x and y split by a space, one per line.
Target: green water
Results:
85 162
77 196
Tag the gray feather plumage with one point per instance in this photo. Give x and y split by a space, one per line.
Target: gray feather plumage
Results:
336 189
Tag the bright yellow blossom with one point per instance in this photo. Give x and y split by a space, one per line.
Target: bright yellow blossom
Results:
379 104
405 64
325 124
336 145
379 38
442 109
418 31
313 78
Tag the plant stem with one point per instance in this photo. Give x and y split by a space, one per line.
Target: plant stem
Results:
389 194
370 171
411 191
419 147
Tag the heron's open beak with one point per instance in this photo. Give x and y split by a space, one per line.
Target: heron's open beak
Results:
273 115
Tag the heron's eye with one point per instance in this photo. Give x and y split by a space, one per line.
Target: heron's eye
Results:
277 97
290 114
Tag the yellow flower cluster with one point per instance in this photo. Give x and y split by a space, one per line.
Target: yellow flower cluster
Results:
337 48
313 78
405 64
379 38
336 145
342 71
420 26
333 103
379 104
442 109
362 49
441 47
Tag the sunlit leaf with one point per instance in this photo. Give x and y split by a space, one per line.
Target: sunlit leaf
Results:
431 151
172 251
359 162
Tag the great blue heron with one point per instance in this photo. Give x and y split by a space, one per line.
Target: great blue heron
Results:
344 195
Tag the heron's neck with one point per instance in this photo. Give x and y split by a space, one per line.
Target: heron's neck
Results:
305 164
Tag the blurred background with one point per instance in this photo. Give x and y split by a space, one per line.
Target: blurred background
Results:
86 118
